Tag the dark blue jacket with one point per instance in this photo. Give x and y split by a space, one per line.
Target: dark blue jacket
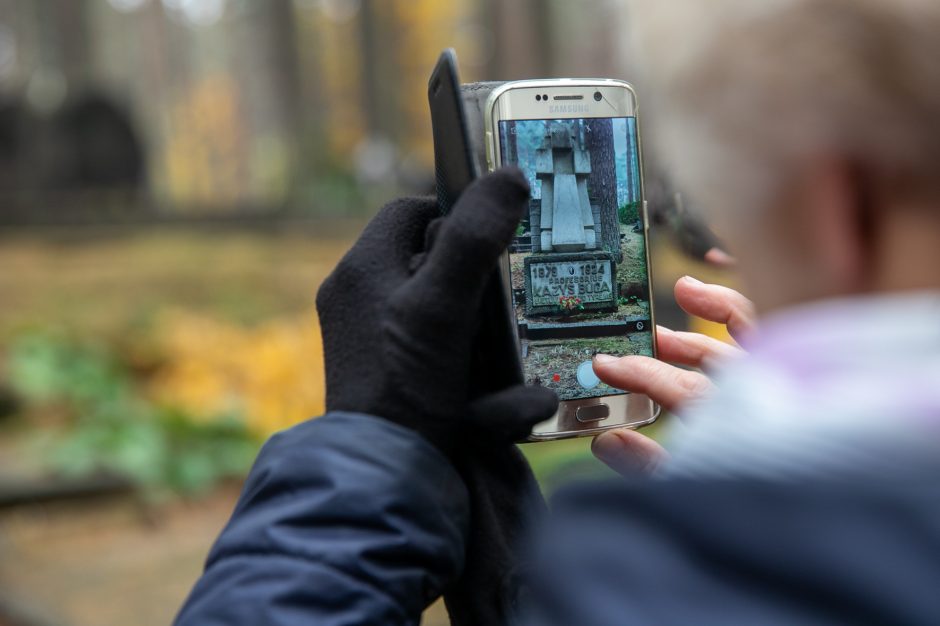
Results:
349 519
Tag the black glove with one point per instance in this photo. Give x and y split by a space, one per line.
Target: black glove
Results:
505 501
399 317
399 320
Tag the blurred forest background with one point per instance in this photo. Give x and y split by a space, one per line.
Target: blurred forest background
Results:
176 178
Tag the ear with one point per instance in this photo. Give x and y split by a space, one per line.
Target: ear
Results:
839 208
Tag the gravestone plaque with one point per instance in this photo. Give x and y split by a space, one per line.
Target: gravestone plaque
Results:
550 278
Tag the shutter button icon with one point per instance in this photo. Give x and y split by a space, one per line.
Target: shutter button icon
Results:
586 376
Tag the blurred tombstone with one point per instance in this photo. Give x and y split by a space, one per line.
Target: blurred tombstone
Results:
89 145
15 123
95 147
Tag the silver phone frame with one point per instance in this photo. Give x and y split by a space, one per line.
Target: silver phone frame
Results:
627 410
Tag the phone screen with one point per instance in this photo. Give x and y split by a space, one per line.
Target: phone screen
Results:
578 262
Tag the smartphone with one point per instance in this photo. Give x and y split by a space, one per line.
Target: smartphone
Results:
495 363
577 273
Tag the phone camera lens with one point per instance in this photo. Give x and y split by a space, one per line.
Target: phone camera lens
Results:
538 98
598 96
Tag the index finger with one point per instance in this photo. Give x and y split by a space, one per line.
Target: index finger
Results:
692 349
716 303
666 385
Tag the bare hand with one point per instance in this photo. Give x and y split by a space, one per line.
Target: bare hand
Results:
627 451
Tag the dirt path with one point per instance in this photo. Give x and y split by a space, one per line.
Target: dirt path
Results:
113 563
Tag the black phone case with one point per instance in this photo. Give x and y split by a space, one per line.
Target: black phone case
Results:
496 364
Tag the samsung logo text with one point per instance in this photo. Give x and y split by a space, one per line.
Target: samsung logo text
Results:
568 108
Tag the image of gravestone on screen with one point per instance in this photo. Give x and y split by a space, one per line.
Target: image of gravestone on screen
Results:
580 282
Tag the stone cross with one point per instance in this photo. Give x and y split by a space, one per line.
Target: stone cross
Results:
563 165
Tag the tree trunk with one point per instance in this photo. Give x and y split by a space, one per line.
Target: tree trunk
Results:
522 39
376 44
602 183
633 169
512 149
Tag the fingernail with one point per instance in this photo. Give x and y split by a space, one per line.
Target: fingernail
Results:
603 359
694 281
619 455
662 330
607 447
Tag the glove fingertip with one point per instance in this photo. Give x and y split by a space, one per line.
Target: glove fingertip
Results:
510 414
543 401
512 180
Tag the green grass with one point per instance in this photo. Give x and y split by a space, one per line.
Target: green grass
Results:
556 463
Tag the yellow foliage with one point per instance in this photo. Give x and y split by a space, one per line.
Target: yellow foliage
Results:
210 159
418 30
425 27
271 374
204 144
712 329
339 61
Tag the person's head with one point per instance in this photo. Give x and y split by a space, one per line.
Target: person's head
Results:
809 130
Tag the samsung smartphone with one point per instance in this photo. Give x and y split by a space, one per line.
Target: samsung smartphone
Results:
577 272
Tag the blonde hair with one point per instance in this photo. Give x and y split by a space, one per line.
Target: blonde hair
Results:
740 90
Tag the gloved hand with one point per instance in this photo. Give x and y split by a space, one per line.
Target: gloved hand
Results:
400 316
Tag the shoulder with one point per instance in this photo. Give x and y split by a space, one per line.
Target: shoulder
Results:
742 551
